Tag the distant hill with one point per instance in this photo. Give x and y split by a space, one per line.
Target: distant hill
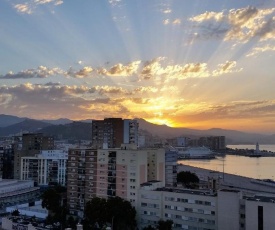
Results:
232 136
7 120
73 131
28 125
81 130
60 121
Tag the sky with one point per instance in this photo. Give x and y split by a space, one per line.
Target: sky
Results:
198 64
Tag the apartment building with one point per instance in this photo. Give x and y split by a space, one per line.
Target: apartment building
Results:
46 168
110 172
112 132
29 145
171 166
188 209
6 161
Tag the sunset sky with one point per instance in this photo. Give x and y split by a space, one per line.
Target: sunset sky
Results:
197 64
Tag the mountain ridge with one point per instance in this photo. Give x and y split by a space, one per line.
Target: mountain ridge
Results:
69 129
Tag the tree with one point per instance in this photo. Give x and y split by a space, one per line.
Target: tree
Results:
122 213
71 223
115 211
15 212
187 178
51 200
95 213
165 225
149 228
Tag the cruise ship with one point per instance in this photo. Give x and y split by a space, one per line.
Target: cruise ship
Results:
195 153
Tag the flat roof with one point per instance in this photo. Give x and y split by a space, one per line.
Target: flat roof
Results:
187 191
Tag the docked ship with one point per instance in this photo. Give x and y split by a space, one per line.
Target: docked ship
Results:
185 153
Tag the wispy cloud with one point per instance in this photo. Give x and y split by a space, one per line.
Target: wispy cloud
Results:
40 72
261 49
29 6
114 2
236 24
156 67
24 8
121 70
167 11
227 67
176 21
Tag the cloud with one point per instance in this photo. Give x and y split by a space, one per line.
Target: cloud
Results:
240 109
167 11
82 73
227 67
156 67
114 2
121 70
61 99
40 72
103 90
53 84
236 24
166 22
29 6
262 49
23 8
174 22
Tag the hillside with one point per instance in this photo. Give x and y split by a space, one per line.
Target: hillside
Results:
67 129
72 131
28 125
232 136
7 120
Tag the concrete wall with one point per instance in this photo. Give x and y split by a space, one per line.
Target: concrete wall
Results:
228 209
251 214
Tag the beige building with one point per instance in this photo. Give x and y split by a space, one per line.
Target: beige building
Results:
110 172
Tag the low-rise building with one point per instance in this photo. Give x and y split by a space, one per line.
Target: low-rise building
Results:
204 209
13 192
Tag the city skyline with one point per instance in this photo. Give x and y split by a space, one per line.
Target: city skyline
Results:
200 64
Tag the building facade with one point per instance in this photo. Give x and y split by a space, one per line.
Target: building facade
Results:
112 132
29 145
204 209
171 166
46 168
15 192
110 172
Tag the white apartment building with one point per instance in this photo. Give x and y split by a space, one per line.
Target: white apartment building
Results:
204 210
188 209
47 167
